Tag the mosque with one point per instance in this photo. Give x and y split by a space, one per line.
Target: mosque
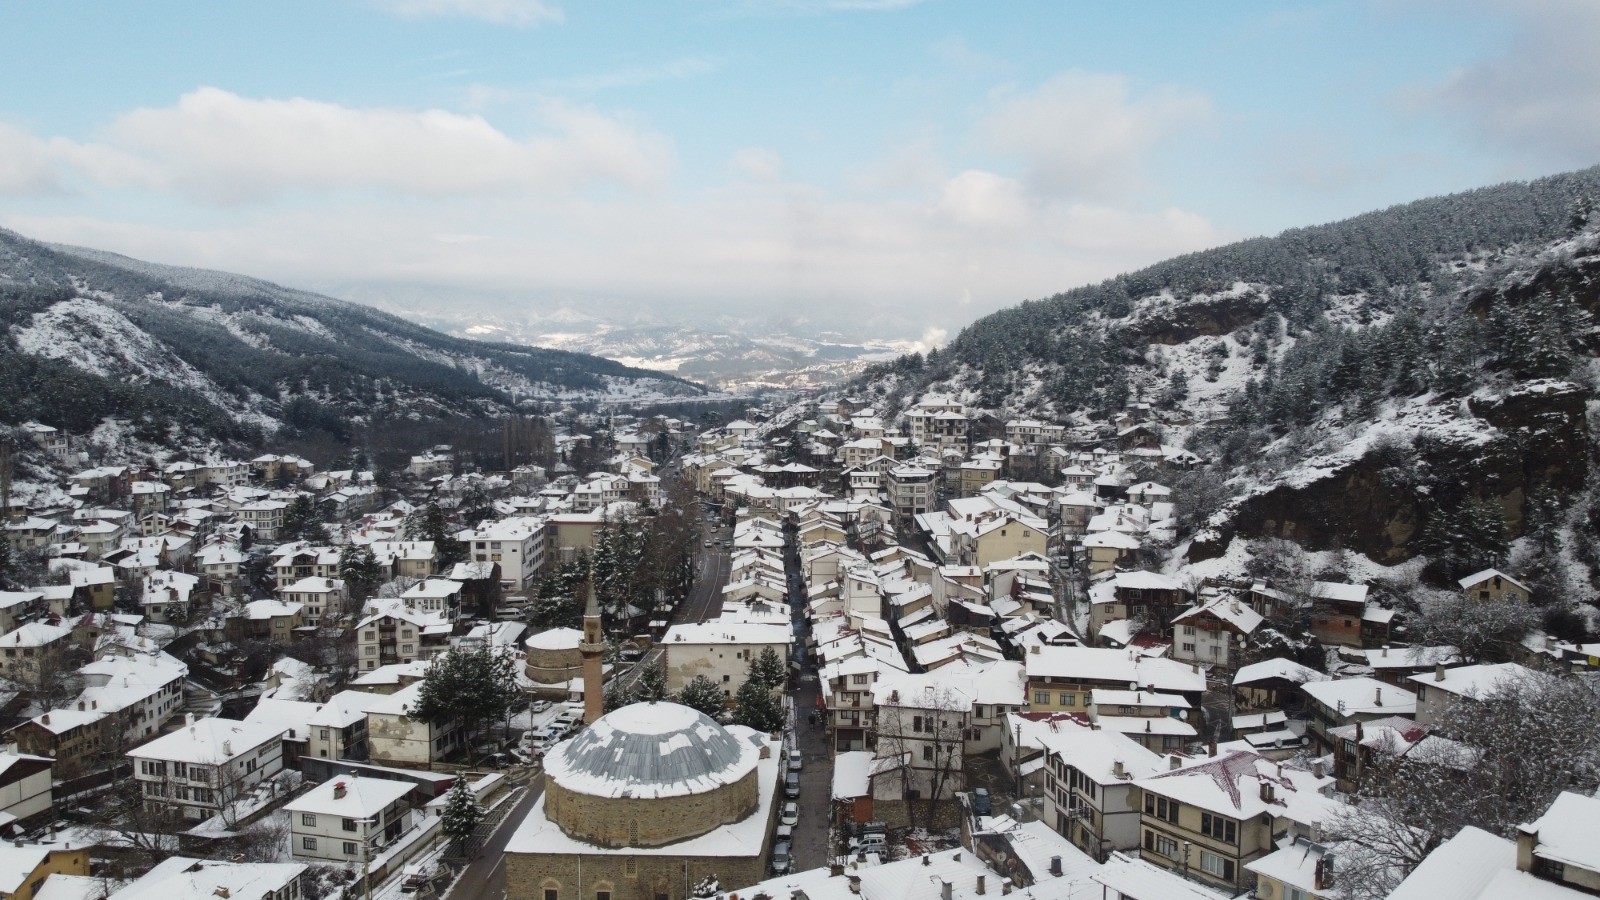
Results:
645 802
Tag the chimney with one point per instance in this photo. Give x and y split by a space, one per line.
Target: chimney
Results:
926 860
1385 649
1118 769
1438 672
1211 748
1034 649
1173 762
227 748
223 892
1055 866
339 791
855 884
188 719
1268 793
1316 768
835 870
45 719
1377 697
1005 886
946 889
979 888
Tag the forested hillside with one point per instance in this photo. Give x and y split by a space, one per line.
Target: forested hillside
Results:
91 334
1417 380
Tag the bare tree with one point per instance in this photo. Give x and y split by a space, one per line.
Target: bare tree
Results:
1493 761
1483 630
927 728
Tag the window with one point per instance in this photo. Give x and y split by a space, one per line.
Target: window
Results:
858 679
927 754
308 843
1161 807
1212 864
551 894
1166 846
350 848
1069 699
308 819
602 895
1188 629
349 824
1217 827
1041 696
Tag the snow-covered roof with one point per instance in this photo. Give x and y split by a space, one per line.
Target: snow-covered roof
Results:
1341 593
852 774
555 639
1362 696
1476 578
202 879
208 741
1566 832
351 797
1476 680
1277 667
649 751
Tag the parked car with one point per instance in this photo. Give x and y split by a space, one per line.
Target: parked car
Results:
790 814
795 760
980 802
540 706
780 858
791 785
784 833
870 843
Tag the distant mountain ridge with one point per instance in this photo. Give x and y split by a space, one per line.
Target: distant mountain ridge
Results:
90 334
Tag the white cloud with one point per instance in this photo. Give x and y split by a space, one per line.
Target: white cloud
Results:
986 200
221 147
497 12
1537 97
1083 135
757 163
27 164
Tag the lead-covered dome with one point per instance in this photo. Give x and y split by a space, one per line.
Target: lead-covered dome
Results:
652 750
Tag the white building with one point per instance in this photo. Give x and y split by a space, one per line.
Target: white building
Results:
720 651
349 819
517 544
320 597
206 765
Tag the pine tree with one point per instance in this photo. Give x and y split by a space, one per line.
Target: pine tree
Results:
651 685
767 668
703 694
359 569
462 813
757 707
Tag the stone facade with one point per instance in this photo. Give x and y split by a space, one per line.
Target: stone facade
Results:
531 876
629 822
553 666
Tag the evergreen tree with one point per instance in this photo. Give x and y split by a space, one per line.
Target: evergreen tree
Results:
757 706
703 694
360 571
651 684
767 669
462 813
477 686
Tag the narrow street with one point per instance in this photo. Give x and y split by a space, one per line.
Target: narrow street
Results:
485 876
811 848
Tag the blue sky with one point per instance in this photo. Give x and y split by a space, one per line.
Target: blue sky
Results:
889 166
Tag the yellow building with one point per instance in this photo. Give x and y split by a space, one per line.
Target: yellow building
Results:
24 868
1493 586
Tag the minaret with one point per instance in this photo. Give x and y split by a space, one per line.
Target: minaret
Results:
593 650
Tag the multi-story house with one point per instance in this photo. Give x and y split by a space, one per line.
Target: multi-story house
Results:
910 489
1211 816
1336 611
1440 689
264 517
399 634
517 544
26 787
339 728
1061 678
320 598
406 559
1345 701
206 765
291 564
394 738
1089 794
348 819
720 651
1159 722
922 720
34 652
1214 633
440 597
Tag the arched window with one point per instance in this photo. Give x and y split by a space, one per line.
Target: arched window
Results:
633 832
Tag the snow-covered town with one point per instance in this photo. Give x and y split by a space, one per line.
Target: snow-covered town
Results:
810 649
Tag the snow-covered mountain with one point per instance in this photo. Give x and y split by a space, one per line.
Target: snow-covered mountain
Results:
90 334
1406 382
